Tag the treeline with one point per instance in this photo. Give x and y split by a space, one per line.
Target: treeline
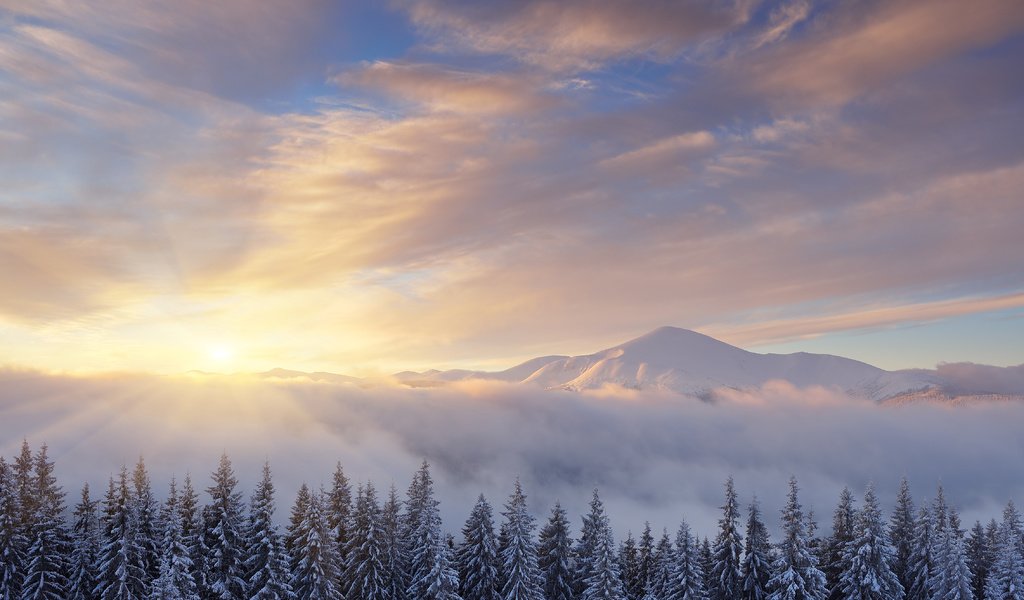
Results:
360 546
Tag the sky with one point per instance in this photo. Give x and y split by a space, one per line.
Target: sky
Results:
367 187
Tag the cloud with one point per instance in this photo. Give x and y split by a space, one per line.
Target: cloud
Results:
657 457
992 380
445 89
570 36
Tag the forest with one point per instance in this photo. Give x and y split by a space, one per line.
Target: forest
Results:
361 544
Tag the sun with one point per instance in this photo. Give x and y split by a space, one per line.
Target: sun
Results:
220 353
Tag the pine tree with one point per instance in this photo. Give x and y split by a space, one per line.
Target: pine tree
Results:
725 572
687 578
298 514
795 573
978 559
554 556
366 552
122 571
920 565
519 558
315 562
174 579
953 578
423 527
85 552
629 567
604 582
477 558
395 579
47 567
901 533
266 563
442 582
707 562
144 508
594 525
834 563
225 535
339 515
193 534
868 557
1006 579
24 482
661 573
756 564
645 558
12 542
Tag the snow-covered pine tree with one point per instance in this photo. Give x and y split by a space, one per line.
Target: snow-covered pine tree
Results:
604 582
298 514
645 557
953 577
12 543
920 565
834 551
442 582
395 580
85 549
522 578
593 527
192 533
661 571
707 562
225 535
477 558
365 567
795 574
554 556
122 573
978 559
47 564
266 563
629 568
174 579
1006 579
725 571
24 484
339 516
423 536
756 564
144 508
315 572
868 557
901 533
686 581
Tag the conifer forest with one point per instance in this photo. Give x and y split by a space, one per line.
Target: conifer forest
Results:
211 540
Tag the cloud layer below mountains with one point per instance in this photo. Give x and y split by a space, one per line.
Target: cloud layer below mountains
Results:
656 457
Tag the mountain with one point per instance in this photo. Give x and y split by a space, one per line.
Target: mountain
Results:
690 363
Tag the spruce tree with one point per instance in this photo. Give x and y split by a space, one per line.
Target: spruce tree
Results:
920 565
868 557
174 579
953 580
1006 579
225 535
423 537
725 572
47 565
193 534
144 508
629 567
85 549
122 571
366 552
12 542
901 533
756 564
795 572
978 559
395 579
604 582
707 562
645 557
266 563
834 555
594 524
661 573
339 515
554 556
522 579
315 572
686 581
477 558
442 582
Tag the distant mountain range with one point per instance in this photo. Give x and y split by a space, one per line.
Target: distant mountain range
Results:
693 364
